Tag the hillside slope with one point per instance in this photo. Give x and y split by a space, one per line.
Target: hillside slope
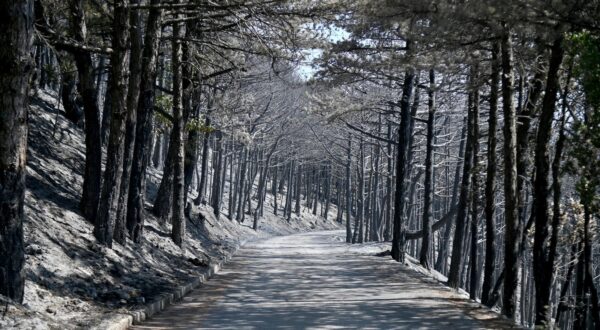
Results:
72 282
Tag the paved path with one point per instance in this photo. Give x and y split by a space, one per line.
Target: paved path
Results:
315 281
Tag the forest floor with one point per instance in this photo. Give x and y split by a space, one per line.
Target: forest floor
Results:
317 281
71 281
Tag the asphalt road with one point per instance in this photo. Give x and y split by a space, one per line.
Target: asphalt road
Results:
316 281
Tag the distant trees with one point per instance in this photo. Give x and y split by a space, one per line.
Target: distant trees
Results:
522 64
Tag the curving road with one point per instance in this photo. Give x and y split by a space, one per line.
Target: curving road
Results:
315 281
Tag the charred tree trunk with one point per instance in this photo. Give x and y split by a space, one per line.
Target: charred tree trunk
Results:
17 37
512 229
490 184
348 192
463 203
543 256
107 212
474 265
133 94
216 186
93 144
428 189
178 207
145 108
401 166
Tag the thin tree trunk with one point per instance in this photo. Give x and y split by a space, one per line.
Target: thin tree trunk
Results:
456 263
474 275
428 189
216 186
348 191
178 212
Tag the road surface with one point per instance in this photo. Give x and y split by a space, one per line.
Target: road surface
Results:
316 281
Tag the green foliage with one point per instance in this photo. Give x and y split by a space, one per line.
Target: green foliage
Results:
197 124
585 152
587 49
165 104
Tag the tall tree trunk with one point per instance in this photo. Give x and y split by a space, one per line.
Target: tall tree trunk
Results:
297 187
191 113
93 145
348 191
474 275
204 162
17 29
216 186
428 189
133 94
592 292
543 256
361 194
463 203
178 207
441 262
242 180
107 212
490 184
512 230
144 108
401 165
388 199
288 200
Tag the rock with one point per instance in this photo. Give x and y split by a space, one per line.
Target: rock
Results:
123 302
198 262
34 250
117 270
50 310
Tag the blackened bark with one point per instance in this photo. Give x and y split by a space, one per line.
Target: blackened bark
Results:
242 180
16 24
361 195
512 229
107 211
348 191
133 94
428 189
543 256
164 197
204 163
490 184
297 188
442 261
456 262
93 145
216 186
68 92
401 165
274 189
288 200
474 265
141 153
106 111
178 212
388 200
